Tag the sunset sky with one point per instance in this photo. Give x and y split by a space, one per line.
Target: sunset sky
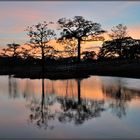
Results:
16 16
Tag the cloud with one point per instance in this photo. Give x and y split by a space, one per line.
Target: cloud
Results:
16 16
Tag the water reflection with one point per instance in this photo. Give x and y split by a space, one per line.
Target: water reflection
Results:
12 87
41 112
78 110
47 102
119 104
120 95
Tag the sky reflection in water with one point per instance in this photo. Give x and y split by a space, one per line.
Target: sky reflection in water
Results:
99 107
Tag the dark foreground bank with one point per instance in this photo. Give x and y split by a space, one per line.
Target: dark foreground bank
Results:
82 70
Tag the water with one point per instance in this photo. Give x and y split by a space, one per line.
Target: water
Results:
97 107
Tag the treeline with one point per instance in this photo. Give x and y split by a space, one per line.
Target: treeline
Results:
73 33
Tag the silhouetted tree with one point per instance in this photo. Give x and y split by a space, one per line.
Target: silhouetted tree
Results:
110 49
40 35
50 52
13 48
128 48
132 49
4 52
79 28
114 47
118 32
88 55
70 46
25 52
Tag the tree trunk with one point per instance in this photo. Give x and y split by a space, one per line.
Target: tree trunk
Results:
119 47
79 49
43 62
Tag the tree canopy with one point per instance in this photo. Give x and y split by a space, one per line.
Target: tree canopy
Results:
79 28
120 48
13 48
40 35
118 32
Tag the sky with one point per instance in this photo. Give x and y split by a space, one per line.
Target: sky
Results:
16 16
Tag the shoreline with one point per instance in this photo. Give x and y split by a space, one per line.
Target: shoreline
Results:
75 71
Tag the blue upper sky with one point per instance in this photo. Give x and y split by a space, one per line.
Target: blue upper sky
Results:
16 16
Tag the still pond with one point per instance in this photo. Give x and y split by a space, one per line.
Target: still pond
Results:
95 107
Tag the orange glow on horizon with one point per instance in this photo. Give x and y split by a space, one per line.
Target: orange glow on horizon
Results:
134 32
90 88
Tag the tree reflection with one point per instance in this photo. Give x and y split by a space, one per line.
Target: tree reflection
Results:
41 112
12 86
80 110
120 98
72 109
